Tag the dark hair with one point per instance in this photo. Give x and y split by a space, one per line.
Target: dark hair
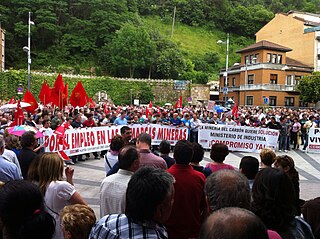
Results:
287 161
249 166
164 147
116 143
198 152
22 211
45 121
145 138
127 156
227 188
28 139
12 142
183 152
273 200
124 129
147 189
219 152
233 222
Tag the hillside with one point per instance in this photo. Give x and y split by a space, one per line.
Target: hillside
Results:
196 41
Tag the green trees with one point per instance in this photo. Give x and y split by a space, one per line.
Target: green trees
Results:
108 36
309 87
131 48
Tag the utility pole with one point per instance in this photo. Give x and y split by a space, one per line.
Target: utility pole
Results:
173 20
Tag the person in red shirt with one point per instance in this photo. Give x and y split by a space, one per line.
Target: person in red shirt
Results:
189 207
90 123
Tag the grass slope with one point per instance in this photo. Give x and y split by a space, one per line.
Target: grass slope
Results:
196 41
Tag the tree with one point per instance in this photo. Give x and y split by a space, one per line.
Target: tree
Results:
170 63
131 48
309 87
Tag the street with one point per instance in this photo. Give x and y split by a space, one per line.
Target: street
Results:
89 174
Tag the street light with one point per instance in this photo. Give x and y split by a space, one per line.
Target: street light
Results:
227 61
246 80
28 48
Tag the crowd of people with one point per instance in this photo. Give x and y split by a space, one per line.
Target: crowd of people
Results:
151 193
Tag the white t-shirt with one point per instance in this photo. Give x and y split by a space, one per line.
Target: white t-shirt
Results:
57 197
110 160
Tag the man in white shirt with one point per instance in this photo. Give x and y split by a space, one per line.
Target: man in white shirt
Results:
113 188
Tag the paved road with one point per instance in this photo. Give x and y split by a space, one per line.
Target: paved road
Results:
89 174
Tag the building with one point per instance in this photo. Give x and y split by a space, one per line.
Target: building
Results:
298 31
2 32
265 76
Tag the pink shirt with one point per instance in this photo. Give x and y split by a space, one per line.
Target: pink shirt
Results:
217 167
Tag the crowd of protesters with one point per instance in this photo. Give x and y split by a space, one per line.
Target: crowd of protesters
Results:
150 194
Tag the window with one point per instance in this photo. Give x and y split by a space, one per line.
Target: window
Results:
246 60
297 80
289 101
274 58
256 60
227 80
290 80
269 56
272 100
273 79
233 81
249 100
303 104
250 79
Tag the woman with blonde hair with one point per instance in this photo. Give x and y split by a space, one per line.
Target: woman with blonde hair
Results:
77 221
57 193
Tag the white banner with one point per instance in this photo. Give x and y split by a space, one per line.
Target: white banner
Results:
314 140
86 140
238 138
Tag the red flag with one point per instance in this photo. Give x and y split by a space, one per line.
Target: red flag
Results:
178 104
57 92
79 96
92 103
148 109
235 110
60 132
18 115
106 109
64 156
12 101
45 94
29 98
65 96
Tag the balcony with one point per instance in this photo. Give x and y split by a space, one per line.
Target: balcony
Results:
273 87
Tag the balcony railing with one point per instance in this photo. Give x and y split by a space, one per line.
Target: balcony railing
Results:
273 87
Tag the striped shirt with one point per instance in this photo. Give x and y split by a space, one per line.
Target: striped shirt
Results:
116 226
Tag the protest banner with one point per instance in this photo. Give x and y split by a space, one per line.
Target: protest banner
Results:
238 138
314 140
86 140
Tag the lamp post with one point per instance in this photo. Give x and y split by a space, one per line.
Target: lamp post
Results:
227 62
28 48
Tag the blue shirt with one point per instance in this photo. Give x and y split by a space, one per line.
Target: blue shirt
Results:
115 226
175 122
120 121
8 171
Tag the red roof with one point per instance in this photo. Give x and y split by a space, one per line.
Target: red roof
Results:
265 45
